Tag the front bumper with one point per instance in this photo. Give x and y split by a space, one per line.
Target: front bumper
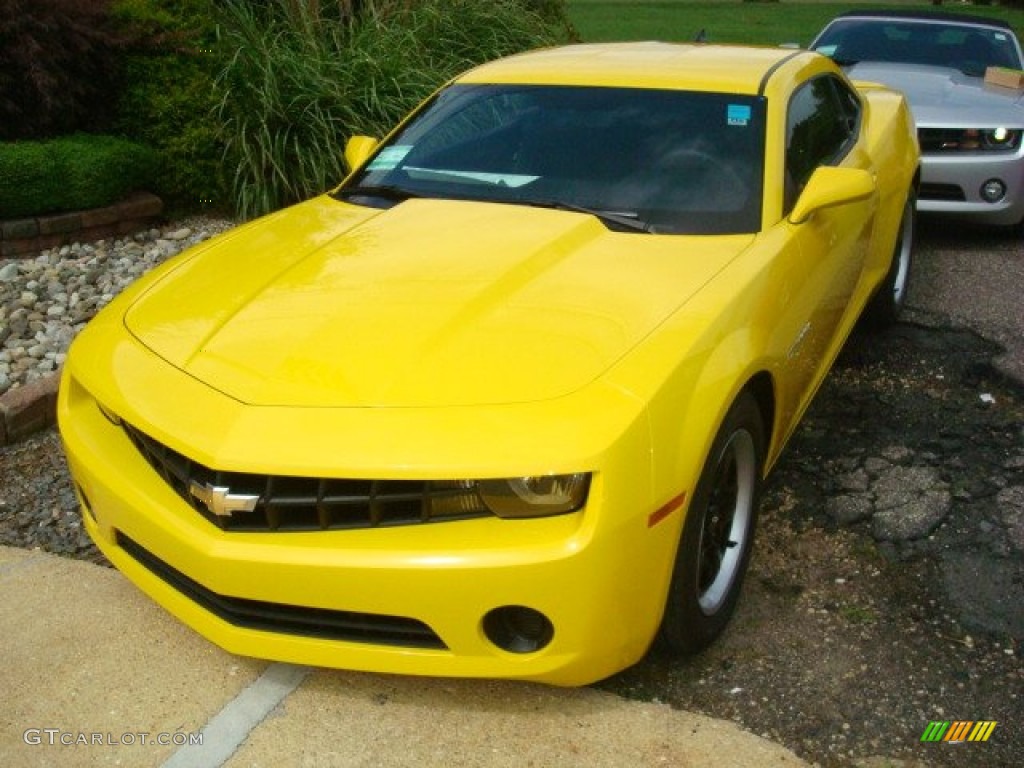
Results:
599 576
951 185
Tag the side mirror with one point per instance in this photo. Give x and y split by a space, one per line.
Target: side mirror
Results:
829 187
358 149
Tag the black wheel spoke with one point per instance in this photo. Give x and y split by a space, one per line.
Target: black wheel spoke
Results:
710 564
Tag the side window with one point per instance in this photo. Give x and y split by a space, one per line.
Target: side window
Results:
822 125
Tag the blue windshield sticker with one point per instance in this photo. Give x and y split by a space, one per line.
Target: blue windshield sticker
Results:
390 157
738 114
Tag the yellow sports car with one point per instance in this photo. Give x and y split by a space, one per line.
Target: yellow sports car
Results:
500 405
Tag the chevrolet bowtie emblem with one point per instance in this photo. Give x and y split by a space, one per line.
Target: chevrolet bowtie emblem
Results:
220 501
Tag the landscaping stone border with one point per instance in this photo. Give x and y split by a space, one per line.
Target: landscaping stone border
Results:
20 238
28 408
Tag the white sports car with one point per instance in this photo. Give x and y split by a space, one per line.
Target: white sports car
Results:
961 76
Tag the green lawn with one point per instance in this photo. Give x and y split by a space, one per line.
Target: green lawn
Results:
734 21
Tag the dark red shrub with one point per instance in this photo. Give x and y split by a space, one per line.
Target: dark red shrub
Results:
58 67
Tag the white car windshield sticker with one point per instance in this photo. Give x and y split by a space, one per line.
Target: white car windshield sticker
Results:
738 114
390 157
497 179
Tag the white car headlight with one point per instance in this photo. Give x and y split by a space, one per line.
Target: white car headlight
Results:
535 496
969 139
1000 138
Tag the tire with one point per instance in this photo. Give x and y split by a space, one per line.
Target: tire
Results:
886 305
718 533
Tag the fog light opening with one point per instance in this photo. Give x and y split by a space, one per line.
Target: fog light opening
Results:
517 629
993 190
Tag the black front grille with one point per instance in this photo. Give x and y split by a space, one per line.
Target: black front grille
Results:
945 192
285 503
290 619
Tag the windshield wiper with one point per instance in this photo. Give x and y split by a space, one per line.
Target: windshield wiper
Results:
386 191
618 220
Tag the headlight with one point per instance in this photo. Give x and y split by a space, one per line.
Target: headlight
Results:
969 139
535 496
999 139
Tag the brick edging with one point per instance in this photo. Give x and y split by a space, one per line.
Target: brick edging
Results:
28 408
20 238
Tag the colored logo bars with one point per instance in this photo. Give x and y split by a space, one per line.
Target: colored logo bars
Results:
958 730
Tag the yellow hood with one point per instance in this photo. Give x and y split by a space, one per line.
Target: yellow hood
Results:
430 303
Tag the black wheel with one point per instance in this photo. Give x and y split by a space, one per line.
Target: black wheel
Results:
885 306
718 533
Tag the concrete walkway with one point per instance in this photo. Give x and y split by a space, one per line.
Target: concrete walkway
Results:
93 674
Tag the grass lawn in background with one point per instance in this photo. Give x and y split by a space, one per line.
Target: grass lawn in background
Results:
734 21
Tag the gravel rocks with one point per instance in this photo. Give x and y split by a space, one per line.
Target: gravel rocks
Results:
45 301
38 508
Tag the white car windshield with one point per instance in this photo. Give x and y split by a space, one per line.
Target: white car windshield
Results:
641 160
969 48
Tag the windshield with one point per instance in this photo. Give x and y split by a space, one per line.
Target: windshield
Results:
641 160
970 49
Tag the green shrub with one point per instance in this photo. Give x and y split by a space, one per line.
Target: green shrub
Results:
167 98
167 103
71 173
298 82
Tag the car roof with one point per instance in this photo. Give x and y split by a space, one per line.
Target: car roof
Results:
694 66
956 18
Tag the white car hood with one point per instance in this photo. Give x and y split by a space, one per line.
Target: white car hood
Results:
941 97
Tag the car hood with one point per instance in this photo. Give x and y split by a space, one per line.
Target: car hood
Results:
941 97
429 303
